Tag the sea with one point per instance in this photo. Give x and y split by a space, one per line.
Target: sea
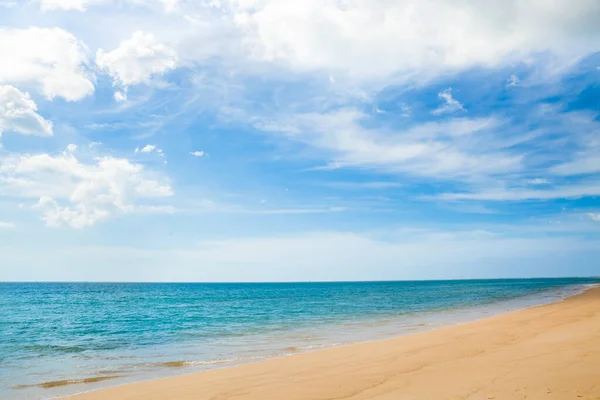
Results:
58 339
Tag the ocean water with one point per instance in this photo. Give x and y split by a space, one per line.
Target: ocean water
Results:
63 338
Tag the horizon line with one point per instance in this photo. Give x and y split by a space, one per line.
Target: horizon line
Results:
315 281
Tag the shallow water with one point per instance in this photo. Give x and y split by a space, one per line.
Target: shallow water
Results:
63 338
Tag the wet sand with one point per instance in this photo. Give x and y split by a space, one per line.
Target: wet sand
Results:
547 352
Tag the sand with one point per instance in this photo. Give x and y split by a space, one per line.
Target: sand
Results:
546 352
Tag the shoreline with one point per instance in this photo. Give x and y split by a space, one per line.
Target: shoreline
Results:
329 356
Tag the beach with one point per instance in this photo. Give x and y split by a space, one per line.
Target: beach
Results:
550 352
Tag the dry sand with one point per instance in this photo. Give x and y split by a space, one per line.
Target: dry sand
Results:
547 352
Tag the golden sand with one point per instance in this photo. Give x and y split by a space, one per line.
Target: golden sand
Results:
548 352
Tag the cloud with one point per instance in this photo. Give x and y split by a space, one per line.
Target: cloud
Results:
18 113
198 153
594 216
513 81
83 5
579 148
567 191
487 158
451 104
350 39
77 194
120 95
458 148
137 60
71 148
354 37
6 225
49 59
149 148
537 181
363 185
77 5
586 163
283 211
170 5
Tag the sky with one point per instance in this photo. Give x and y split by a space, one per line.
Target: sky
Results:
298 140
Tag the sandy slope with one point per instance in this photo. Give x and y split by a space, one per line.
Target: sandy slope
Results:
548 352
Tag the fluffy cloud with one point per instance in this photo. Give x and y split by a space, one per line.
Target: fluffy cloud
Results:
363 39
120 95
76 194
71 148
375 39
198 153
49 59
149 148
18 113
137 59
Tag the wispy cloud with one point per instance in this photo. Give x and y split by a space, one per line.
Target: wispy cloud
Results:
594 216
7 225
362 185
450 105
513 81
457 148
568 191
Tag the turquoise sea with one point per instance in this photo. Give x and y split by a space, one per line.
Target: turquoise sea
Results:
62 338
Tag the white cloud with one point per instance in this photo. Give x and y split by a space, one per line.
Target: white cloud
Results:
594 216
585 163
355 36
71 148
8 3
49 59
120 95
450 103
18 113
568 191
149 148
6 225
458 148
583 134
77 194
363 185
77 5
170 5
83 5
351 39
137 59
537 181
198 153
513 81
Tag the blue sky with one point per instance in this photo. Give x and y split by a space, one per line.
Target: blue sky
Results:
259 140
